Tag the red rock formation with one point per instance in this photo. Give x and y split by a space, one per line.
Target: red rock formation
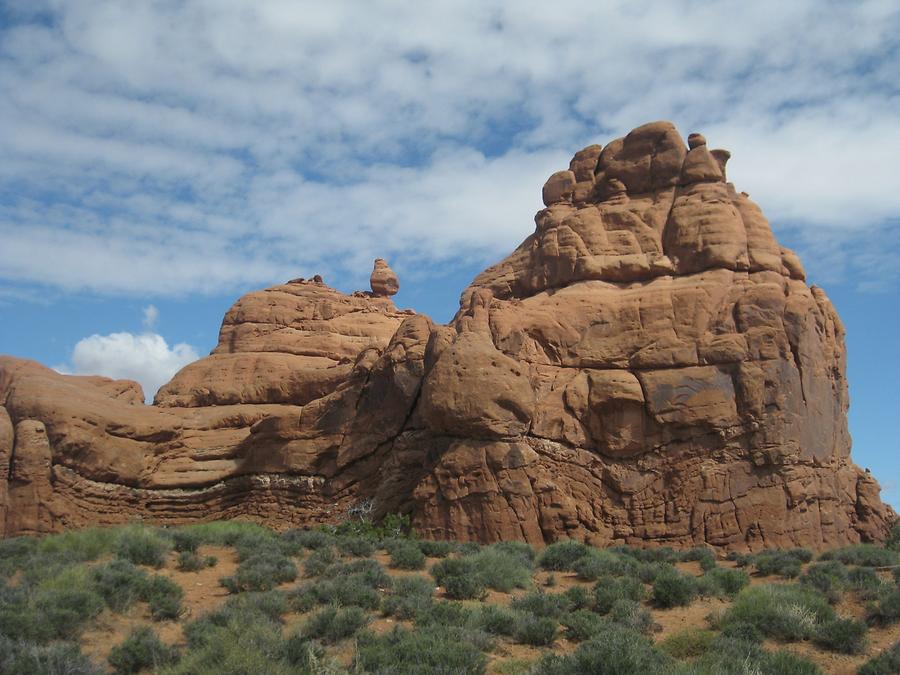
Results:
648 367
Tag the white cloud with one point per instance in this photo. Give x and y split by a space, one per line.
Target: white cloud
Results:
145 358
151 316
201 146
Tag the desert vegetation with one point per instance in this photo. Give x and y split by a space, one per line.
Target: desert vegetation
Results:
234 597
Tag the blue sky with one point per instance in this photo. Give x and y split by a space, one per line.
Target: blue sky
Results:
175 154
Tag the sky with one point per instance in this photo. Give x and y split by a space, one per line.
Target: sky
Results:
160 158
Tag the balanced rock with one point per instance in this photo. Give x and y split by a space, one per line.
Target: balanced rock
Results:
383 280
648 367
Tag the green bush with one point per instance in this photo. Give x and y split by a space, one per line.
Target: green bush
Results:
541 604
616 651
186 540
164 598
436 549
496 620
726 582
598 564
406 555
359 547
319 561
829 578
261 571
539 631
582 625
864 555
866 583
786 564
447 614
702 555
460 578
632 615
885 663
610 589
409 596
142 546
190 562
27 658
503 568
743 630
673 589
578 597
312 540
688 643
225 532
333 624
847 636
120 583
424 651
784 612
886 611
648 571
141 650
562 555
727 656
660 554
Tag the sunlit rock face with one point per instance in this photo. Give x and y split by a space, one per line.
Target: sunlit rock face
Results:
648 367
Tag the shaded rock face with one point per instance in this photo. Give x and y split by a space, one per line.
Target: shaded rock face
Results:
648 367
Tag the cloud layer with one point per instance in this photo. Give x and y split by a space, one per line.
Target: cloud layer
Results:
145 358
176 147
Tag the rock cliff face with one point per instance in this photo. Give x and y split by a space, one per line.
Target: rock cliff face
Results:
648 367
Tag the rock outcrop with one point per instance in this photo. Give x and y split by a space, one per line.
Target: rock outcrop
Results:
648 367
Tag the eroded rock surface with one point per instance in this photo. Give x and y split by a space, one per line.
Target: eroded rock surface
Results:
648 367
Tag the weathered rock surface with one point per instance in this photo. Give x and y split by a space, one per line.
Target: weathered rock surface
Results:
648 367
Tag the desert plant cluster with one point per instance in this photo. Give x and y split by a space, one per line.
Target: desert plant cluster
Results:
235 597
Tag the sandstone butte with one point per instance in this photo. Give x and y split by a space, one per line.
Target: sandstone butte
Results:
648 367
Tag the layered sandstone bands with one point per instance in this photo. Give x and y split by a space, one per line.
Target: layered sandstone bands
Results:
648 367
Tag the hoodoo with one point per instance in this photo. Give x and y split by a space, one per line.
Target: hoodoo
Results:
648 367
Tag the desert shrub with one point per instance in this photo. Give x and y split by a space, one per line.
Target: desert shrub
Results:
726 582
550 581
648 571
333 624
55 609
727 656
435 549
847 636
578 597
688 643
119 582
408 597
885 663
142 546
866 583
781 611
312 540
406 555
610 589
257 613
319 561
615 651
886 611
349 591
359 547
673 589
632 615
503 569
370 571
582 625
864 555
304 654
538 631
190 562
496 620
163 597
743 630
27 658
661 554
446 614
224 532
702 555
541 604
519 548
185 540
142 649
261 572
460 578
562 555
597 564
424 651
829 578
786 564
